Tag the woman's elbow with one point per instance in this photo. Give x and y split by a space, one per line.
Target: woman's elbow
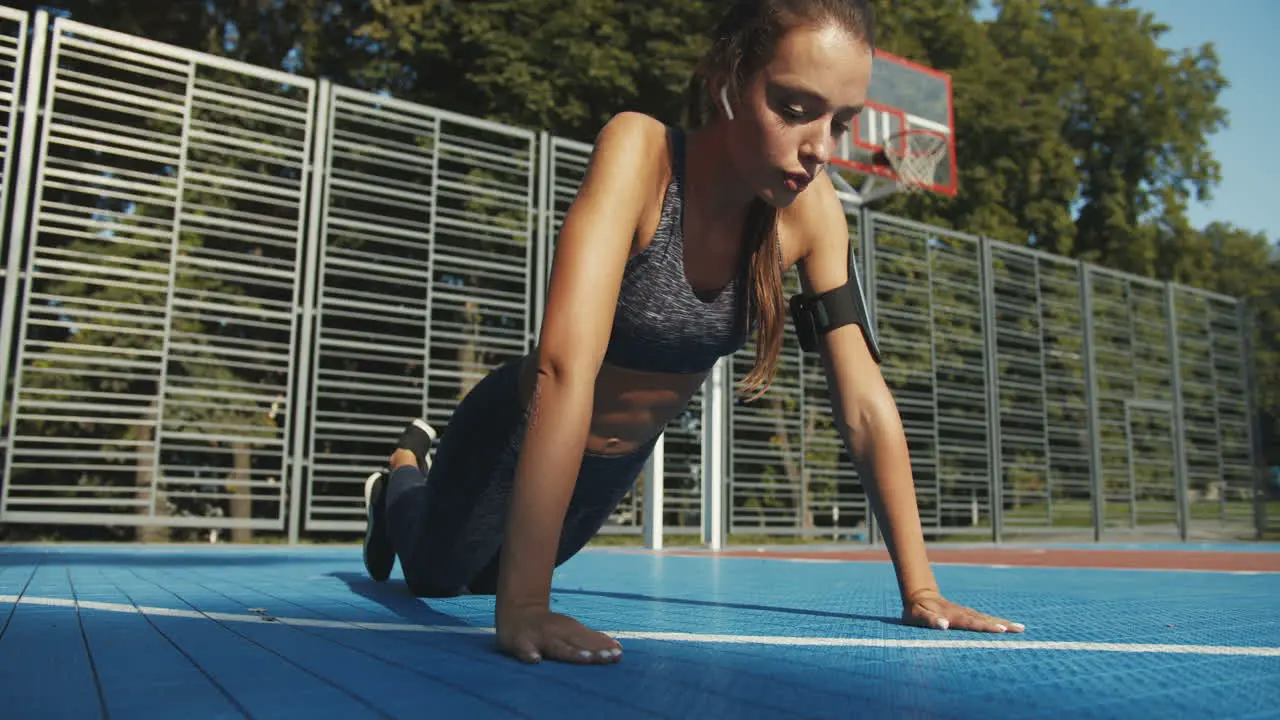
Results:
871 415
560 372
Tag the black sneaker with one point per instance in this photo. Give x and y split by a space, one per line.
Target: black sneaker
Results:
418 438
379 554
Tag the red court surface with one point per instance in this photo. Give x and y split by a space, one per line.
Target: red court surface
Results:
1065 557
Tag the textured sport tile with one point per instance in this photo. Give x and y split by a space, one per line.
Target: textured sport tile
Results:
299 632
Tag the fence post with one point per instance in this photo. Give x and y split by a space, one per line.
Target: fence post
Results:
1179 439
175 253
867 239
21 181
995 455
543 237
1257 458
1091 401
713 456
303 402
654 492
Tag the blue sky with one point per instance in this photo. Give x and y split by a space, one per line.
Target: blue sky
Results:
1244 34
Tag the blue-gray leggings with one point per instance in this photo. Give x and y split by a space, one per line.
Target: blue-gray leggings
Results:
447 529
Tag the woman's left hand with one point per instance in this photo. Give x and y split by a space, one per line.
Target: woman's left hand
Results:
929 609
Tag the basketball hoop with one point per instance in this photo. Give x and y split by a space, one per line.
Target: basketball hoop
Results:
914 155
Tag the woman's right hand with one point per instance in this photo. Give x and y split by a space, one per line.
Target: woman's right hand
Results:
532 634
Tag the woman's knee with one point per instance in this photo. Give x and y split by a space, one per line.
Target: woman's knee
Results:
445 565
428 582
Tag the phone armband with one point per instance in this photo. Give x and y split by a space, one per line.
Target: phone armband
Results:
815 316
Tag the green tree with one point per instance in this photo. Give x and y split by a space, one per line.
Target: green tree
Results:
560 66
1137 117
313 37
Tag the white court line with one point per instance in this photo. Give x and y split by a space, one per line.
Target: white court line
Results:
936 563
672 636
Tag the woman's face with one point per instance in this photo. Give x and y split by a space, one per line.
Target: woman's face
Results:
791 117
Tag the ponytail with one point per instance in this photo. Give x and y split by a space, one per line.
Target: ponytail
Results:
765 306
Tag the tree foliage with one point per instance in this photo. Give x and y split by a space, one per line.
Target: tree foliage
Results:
565 66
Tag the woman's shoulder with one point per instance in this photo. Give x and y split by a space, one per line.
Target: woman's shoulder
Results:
636 140
633 150
634 127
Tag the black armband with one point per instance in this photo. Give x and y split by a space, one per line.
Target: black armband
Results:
819 315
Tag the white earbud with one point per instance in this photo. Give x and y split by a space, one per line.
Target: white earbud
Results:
724 100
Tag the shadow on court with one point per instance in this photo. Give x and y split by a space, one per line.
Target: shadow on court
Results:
395 596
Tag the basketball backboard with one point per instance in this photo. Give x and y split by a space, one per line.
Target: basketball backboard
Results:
908 125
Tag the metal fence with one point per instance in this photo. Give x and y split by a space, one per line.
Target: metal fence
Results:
227 288
13 57
425 280
157 337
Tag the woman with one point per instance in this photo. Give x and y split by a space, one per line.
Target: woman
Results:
673 251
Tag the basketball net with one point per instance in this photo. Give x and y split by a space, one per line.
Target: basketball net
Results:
914 155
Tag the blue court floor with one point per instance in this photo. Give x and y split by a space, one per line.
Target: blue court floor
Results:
273 632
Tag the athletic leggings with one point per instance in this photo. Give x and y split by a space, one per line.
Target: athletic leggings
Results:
447 528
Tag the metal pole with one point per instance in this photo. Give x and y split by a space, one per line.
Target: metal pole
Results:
1217 397
1179 438
544 204
654 491
995 456
307 312
433 213
175 251
706 465
802 517
8 307
1044 395
1253 425
1091 401
713 453
1133 476
22 183
725 425
934 413
867 237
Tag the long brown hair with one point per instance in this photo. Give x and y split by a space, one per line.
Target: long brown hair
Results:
742 43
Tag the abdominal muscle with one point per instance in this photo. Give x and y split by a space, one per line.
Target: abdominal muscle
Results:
631 407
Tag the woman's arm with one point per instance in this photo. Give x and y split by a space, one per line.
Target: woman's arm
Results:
591 253
862 406
867 417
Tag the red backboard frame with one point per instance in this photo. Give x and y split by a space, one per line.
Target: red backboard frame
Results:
877 107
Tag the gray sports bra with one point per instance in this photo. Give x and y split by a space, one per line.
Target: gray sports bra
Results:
661 324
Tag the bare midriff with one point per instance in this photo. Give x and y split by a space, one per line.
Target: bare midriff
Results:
631 406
